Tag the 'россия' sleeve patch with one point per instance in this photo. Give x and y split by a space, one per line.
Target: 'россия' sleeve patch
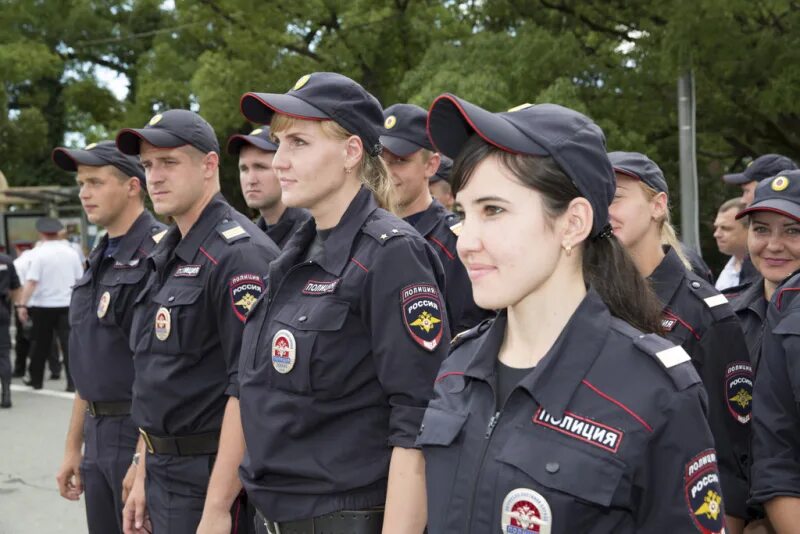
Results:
704 493
739 390
422 314
245 290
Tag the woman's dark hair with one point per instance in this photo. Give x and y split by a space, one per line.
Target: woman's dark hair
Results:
607 267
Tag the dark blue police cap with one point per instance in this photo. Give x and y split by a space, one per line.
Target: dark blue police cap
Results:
443 172
576 143
48 225
405 130
171 129
760 168
641 167
779 194
258 138
322 96
99 155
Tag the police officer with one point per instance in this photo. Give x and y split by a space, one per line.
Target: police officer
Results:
537 422
776 420
9 292
339 356
439 183
206 273
412 161
260 185
695 316
112 190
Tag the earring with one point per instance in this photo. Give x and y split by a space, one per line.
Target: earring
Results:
347 170
568 249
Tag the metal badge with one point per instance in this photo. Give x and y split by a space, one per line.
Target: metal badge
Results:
284 351
163 323
526 511
102 306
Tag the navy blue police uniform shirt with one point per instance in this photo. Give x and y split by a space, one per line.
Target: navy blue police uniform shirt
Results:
750 307
101 312
593 439
189 319
440 227
287 225
698 318
338 362
9 280
776 402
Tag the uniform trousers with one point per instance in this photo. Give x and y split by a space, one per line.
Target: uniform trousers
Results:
109 444
46 323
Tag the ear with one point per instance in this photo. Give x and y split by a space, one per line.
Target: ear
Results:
433 164
134 186
353 152
658 206
577 222
211 164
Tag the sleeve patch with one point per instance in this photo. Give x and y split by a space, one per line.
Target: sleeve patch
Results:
739 390
704 494
422 314
245 290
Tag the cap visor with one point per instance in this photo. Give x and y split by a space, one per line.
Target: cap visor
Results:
399 147
738 178
260 107
69 160
451 122
129 140
775 205
236 142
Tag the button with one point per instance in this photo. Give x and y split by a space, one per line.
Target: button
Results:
696 285
421 428
302 319
552 467
171 299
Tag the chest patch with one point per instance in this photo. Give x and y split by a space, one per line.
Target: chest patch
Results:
704 493
422 314
582 429
245 290
668 322
526 512
315 287
739 390
187 271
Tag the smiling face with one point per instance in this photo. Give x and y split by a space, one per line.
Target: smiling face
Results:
104 193
410 175
177 178
635 218
260 186
773 241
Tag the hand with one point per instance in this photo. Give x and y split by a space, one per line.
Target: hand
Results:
127 482
68 477
215 522
135 519
22 313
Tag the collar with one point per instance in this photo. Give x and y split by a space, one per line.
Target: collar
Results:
336 248
667 277
557 376
430 218
132 240
208 220
752 298
278 231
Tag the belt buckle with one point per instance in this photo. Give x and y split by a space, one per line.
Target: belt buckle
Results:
91 409
147 441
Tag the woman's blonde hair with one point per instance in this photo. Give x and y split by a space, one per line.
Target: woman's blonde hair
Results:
668 234
371 170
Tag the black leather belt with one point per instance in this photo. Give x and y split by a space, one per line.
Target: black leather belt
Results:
344 522
193 445
96 409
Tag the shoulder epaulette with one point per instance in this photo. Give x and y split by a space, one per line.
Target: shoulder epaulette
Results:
157 237
675 361
472 333
231 231
456 228
382 230
713 299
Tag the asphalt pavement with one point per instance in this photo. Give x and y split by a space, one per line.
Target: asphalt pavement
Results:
31 448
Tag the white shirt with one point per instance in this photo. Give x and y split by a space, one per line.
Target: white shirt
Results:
55 267
729 277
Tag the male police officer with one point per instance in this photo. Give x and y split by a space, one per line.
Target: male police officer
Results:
9 289
412 161
260 185
207 272
112 191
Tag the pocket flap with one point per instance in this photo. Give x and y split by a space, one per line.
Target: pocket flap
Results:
440 427
788 326
324 315
177 296
116 277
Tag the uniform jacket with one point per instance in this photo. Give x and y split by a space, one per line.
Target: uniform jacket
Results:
287 225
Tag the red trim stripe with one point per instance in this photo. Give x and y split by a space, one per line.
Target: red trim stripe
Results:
444 248
618 403
445 375
671 315
209 256
780 295
359 264
236 514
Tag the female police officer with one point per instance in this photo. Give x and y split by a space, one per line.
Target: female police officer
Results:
559 416
339 357
695 316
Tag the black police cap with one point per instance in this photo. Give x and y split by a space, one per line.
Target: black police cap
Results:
641 167
443 172
405 130
322 96
760 168
99 155
259 138
48 225
778 194
171 129
576 143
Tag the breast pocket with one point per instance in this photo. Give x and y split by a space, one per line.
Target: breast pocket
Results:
81 301
115 295
789 329
177 328
294 348
441 440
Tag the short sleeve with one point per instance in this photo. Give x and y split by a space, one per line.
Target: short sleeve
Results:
34 271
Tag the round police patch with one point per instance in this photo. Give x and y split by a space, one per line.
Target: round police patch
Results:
257 131
390 122
163 323
245 290
155 120
284 351
422 314
526 512
102 305
301 82
780 183
739 390
704 493
90 146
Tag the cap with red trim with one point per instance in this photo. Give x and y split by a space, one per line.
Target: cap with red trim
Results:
98 155
404 130
641 167
171 129
323 96
762 167
576 143
259 138
779 194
